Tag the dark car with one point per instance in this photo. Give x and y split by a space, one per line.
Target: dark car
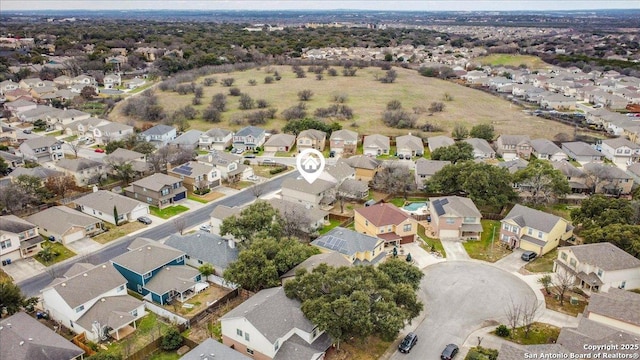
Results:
145 220
528 255
408 343
449 352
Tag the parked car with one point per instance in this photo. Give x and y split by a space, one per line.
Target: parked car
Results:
268 161
408 343
98 150
528 255
145 220
449 352
252 178
26 131
250 156
206 228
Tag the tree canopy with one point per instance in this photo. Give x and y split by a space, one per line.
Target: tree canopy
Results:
483 131
259 219
542 182
12 299
600 211
460 151
296 126
624 236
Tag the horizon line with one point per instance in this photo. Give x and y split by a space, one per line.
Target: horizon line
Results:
320 10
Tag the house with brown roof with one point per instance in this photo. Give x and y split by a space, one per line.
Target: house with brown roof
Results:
455 217
343 142
366 167
65 225
158 190
387 222
311 139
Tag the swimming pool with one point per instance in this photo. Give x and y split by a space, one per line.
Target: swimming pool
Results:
414 206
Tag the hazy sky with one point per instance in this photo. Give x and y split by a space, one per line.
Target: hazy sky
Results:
459 5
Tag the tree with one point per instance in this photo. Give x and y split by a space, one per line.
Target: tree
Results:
389 77
11 298
513 312
436 107
246 102
258 219
305 95
459 132
105 356
295 223
111 146
211 114
394 105
206 270
180 223
600 211
394 179
227 82
171 340
624 236
123 170
296 126
144 147
33 187
4 167
530 311
460 151
545 281
562 282
75 147
88 92
401 272
542 182
40 125
14 198
115 215
60 185
483 131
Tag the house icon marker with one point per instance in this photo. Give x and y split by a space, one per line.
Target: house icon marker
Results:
310 164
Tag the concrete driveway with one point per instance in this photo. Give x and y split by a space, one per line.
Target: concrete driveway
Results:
455 250
23 269
461 297
511 262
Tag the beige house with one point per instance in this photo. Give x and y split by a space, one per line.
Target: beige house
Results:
599 266
311 139
376 144
455 217
387 222
359 249
514 146
84 171
19 239
196 177
607 179
65 225
366 167
309 195
280 142
617 309
533 230
158 190
343 142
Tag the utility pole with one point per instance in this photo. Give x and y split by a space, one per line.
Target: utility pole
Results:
493 235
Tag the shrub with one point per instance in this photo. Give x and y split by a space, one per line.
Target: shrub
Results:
253 82
268 80
209 81
227 82
277 170
247 162
171 340
503 331
480 353
234 91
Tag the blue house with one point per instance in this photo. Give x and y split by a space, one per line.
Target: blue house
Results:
158 272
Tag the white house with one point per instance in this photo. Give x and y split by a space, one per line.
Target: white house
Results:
620 151
215 139
18 239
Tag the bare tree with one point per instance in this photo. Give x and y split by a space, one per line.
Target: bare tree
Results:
295 223
75 147
60 185
562 282
530 311
513 313
394 179
180 223
258 190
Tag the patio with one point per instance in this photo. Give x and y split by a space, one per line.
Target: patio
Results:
198 301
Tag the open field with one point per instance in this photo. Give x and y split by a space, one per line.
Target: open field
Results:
368 98
532 62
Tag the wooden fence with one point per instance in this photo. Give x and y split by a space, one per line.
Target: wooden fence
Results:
79 341
217 304
153 346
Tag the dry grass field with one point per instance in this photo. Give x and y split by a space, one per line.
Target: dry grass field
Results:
532 62
368 99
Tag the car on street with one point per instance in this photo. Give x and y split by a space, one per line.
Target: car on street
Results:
449 352
145 220
528 255
268 161
98 150
408 343
27 131
206 228
250 156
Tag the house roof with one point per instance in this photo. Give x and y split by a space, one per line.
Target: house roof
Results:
217 132
78 288
514 165
439 141
91 121
156 181
78 164
618 304
580 148
15 225
313 134
535 219
147 257
295 348
272 313
353 187
344 134
189 138
39 172
347 242
567 169
178 278
20 103
383 214
620 142
281 140
111 311
332 259
59 219
606 171
40 142
122 154
545 146
302 185
409 142
363 162
250 130
223 211
604 255
376 141
514 139
212 350
114 127
208 247
103 200
481 145
455 205
429 167
159 129
25 338
283 206
191 169
340 171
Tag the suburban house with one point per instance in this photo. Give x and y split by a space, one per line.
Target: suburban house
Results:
620 151
376 144
93 300
12 160
534 230
366 167
228 165
40 172
270 325
84 171
158 190
19 239
65 225
599 266
616 308
510 147
8 85
607 179
41 149
219 213
66 117
159 135
202 247
313 218
196 177
343 142
311 139
436 142
359 249
215 139
387 222
111 81
581 152
20 106
187 140
408 146
25 338
425 169
309 195
125 156
249 138
353 189
545 149
104 204
280 143
158 272
481 148
455 217
85 80
332 259
576 177
211 349
135 83
83 128
112 132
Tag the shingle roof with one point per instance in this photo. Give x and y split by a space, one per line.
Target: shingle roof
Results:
514 165
604 255
345 241
212 350
581 149
283 206
363 162
104 201
190 137
313 134
156 181
481 145
514 139
606 171
111 311
15 225
353 187
567 169
281 140
376 141
178 278
250 130
410 142
80 288
159 129
218 132
59 219
618 304
222 212
331 258
114 126
619 142
429 167
455 205
344 134
147 257
40 142
296 348
192 169
383 214
340 171
535 219
210 248
439 141
302 185
121 154
78 164
39 172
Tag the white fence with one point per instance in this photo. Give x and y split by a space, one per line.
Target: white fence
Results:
165 313
222 282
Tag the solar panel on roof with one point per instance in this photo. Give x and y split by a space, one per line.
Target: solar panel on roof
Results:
182 171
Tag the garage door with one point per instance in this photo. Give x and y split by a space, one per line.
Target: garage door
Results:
139 211
180 196
448 234
73 237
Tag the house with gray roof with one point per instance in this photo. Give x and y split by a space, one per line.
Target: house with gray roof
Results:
481 148
599 266
366 167
607 179
270 325
455 217
40 172
513 165
248 138
219 213
85 127
229 165
376 144
576 177
309 195
311 139
202 248
215 139
425 169
12 160
408 146
101 204
159 135
41 112
93 299
312 219
620 151
616 308
332 259
188 140
343 142
25 338
84 171
534 230
111 132
510 147
66 116
545 149
436 142
211 349
357 248
41 149
353 189
19 239
581 152
65 225
280 142
125 156
159 190
196 177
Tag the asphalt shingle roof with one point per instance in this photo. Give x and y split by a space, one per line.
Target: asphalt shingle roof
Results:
104 201
347 242
86 285
535 219
604 255
59 219
147 257
210 248
383 214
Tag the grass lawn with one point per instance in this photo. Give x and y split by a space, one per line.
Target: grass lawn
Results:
567 308
539 334
167 212
62 253
532 62
637 291
332 223
55 133
165 355
263 170
483 249
369 349
542 264
430 244
399 201
115 232
4 276
391 155
70 139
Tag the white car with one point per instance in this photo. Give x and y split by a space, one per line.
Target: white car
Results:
252 178
206 228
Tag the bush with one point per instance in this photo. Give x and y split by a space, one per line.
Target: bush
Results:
234 91
480 353
227 82
503 331
277 170
268 80
247 162
202 191
171 340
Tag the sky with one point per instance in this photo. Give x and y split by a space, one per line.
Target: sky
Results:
425 5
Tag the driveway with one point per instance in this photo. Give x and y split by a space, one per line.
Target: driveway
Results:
455 250
461 297
511 262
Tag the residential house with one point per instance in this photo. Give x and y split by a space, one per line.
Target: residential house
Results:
215 139
455 217
112 132
83 128
558 102
188 140
481 148
219 213
230 167
65 225
375 145
63 81
93 300
84 171
66 117
510 147
599 266
309 195
353 189
158 190
41 149
425 169
616 308
18 94
620 151
125 156
534 230
25 338
359 249
581 152
85 80
12 160
158 272
159 135
77 88
104 205
249 138
546 150
40 172
365 167
202 248
311 219
280 143
332 259
112 81
513 165
31 83
135 83
196 177
19 239
8 85
343 142
311 139
436 142
211 349
8 135
408 146
20 106
41 112
633 170
387 222
270 325
607 179
576 177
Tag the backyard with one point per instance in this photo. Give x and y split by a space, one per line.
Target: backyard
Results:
487 248
199 302
167 212
354 349
553 302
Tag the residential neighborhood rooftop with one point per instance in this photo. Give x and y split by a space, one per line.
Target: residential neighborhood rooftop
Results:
147 257
604 255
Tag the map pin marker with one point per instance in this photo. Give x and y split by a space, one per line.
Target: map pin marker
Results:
310 164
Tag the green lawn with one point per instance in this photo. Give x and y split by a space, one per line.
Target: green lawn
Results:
167 212
70 138
202 152
399 201
390 156
431 244
532 62
539 334
165 355
62 253
544 263
484 249
198 199
332 223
